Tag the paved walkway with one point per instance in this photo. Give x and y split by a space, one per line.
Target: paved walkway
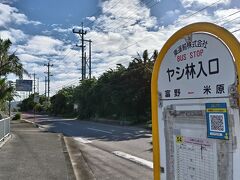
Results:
32 154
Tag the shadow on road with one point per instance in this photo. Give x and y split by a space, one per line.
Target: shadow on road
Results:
93 131
88 129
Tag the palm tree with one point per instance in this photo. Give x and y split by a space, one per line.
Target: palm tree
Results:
5 90
9 63
144 62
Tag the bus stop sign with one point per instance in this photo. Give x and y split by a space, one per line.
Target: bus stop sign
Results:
195 105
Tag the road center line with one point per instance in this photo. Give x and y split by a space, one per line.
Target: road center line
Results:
99 130
134 159
81 140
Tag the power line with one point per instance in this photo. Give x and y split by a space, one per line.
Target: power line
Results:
230 21
69 51
195 13
235 30
129 16
100 11
226 16
147 3
73 82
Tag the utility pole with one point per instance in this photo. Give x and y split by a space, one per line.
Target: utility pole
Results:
34 83
10 84
38 85
81 32
48 76
90 59
45 87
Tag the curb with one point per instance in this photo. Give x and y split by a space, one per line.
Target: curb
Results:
80 166
35 124
5 140
70 169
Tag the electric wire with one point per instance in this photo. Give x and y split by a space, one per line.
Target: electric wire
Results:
178 21
235 30
99 11
124 23
222 18
193 14
230 21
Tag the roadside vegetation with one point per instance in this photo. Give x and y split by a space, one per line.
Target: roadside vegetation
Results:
9 64
121 94
17 116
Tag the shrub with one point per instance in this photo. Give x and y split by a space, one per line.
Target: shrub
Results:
17 116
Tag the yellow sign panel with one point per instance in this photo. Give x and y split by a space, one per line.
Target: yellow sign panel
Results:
179 139
216 110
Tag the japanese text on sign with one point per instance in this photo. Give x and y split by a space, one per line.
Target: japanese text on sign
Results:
198 67
188 45
193 70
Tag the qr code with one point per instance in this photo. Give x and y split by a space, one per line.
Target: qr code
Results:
217 122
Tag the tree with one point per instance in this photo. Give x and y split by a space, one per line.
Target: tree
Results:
9 63
27 104
87 99
62 102
6 92
120 93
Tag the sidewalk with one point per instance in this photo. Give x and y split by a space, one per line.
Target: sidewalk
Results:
32 154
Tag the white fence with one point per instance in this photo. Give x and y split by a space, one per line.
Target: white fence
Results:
4 128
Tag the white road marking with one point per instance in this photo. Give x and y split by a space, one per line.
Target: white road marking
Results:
42 128
134 159
81 140
100 130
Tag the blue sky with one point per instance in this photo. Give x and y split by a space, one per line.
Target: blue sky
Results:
42 30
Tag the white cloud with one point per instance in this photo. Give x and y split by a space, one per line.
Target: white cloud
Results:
125 14
10 14
43 45
8 1
228 17
121 32
27 58
15 35
191 3
92 18
62 30
117 35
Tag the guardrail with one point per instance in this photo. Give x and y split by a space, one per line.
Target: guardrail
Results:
4 128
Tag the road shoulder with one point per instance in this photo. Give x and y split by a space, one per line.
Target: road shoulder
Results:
81 169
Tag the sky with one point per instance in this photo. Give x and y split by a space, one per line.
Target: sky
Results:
41 31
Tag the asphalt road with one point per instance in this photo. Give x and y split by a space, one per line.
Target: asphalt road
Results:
110 151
